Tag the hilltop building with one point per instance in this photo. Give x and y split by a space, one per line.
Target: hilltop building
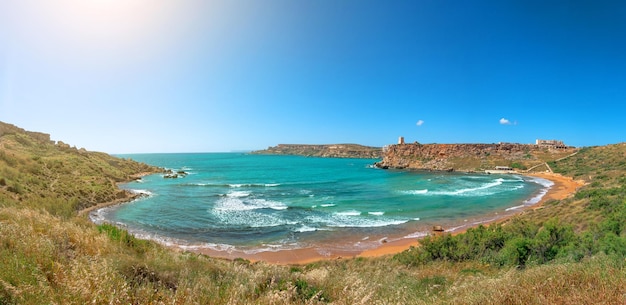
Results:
550 143
401 140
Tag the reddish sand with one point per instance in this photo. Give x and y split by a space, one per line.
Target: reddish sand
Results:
563 187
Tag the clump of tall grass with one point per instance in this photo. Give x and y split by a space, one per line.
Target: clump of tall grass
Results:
597 280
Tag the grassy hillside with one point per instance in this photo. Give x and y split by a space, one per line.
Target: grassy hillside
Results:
38 173
48 254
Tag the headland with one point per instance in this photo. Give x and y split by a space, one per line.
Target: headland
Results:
471 157
324 150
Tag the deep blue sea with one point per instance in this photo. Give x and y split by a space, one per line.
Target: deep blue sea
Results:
260 202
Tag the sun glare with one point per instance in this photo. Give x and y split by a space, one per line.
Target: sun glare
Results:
75 30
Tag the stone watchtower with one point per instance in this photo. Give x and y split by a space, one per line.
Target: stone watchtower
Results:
401 140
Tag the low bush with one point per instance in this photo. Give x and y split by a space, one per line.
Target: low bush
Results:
516 244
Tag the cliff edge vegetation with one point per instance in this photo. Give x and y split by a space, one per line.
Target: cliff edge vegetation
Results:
568 251
326 151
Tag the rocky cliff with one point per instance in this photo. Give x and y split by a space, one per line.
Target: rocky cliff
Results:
468 157
328 151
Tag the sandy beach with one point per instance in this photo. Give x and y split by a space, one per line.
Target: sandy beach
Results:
563 187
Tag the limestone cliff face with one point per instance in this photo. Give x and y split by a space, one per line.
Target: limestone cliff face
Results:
328 151
467 157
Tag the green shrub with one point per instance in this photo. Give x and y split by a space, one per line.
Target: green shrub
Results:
308 292
518 166
551 240
514 244
612 244
123 237
517 252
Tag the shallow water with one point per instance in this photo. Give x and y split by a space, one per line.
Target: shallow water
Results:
257 202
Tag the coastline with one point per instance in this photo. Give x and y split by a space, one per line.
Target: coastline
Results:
562 188
130 196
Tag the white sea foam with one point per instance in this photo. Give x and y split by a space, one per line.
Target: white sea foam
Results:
348 213
543 182
305 228
455 228
141 192
232 204
326 205
469 191
237 204
175 242
417 235
342 221
240 185
98 216
516 179
211 246
547 185
376 213
271 204
514 208
536 198
368 224
238 194
249 218
415 192
271 248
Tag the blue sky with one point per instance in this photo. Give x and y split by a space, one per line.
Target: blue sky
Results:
185 76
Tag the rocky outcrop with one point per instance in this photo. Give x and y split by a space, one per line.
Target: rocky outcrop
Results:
169 174
467 157
6 128
327 151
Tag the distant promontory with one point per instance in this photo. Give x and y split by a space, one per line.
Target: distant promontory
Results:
474 157
324 150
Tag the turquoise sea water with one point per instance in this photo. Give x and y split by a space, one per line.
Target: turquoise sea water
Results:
258 202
